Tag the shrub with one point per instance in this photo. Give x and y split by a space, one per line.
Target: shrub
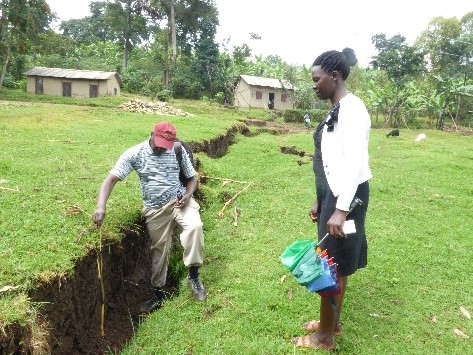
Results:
9 82
219 97
164 95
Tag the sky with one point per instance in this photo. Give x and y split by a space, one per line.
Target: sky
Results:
299 30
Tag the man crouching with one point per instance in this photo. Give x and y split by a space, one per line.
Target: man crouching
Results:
166 202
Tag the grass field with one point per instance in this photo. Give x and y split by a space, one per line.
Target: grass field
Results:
407 300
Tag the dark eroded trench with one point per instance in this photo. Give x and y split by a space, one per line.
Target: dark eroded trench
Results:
70 317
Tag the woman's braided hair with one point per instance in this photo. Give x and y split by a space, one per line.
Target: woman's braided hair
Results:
339 61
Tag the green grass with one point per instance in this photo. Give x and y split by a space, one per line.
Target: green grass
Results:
52 162
420 254
419 226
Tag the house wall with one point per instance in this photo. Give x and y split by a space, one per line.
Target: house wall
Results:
80 88
283 105
246 96
242 95
111 85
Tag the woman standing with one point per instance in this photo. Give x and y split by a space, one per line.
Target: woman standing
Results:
342 173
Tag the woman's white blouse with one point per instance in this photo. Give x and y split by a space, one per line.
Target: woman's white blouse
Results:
345 150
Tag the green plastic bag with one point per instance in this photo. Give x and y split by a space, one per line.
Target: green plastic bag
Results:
309 268
295 252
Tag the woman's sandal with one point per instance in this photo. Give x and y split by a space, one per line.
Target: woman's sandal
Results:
313 326
310 342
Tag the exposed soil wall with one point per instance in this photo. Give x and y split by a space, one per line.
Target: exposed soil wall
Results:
73 308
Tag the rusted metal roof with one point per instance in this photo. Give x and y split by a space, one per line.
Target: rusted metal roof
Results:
71 73
266 82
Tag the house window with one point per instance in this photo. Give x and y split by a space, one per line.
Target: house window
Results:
115 91
93 91
284 97
259 95
67 89
39 86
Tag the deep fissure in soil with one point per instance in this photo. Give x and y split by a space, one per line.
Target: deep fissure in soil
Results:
73 306
70 318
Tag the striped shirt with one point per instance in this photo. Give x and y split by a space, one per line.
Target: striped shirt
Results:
158 174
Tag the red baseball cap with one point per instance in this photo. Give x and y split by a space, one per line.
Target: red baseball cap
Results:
164 135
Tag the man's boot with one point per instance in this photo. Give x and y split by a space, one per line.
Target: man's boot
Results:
155 302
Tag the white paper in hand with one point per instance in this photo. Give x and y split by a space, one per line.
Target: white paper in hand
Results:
349 227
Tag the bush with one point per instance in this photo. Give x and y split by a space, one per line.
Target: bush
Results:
185 87
164 95
297 115
10 83
219 97
133 80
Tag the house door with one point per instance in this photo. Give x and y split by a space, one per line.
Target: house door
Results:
271 100
67 89
39 86
93 91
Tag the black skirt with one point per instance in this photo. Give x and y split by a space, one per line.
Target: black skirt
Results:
351 253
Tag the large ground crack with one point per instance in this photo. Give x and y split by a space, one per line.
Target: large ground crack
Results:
69 319
72 306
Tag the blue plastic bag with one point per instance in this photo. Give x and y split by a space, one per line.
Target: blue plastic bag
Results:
325 281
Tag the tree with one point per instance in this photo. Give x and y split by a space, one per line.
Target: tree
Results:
304 94
241 55
53 50
440 43
206 66
449 45
120 22
81 30
125 19
21 22
402 64
465 42
445 102
187 22
400 61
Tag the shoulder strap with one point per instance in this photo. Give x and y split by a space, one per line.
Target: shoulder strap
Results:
178 151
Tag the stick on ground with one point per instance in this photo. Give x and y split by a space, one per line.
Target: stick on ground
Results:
223 179
220 214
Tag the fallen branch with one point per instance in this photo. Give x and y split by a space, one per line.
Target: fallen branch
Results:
223 179
220 214
8 189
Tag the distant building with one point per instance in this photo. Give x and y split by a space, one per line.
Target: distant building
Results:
72 83
256 92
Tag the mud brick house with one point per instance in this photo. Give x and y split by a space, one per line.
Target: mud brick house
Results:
257 92
72 83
